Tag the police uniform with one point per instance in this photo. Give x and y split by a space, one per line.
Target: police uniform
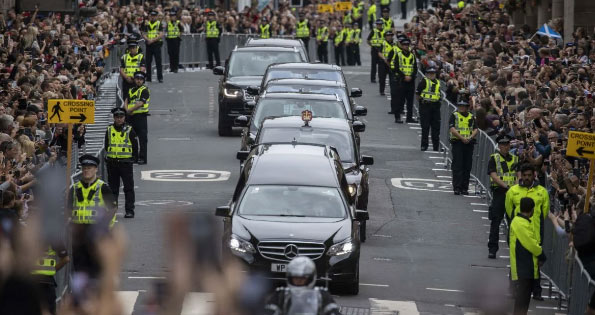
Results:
403 9
385 5
402 64
173 41
356 40
322 41
44 271
121 146
384 66
429 110
462 153
387 23
505 166
375 40
213 34
90 203
372 14
264 29
348 44
130 63
137 119
302 31
357 12
154 32
339 42
525 255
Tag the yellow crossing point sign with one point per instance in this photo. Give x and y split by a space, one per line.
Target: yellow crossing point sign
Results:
321 8
581 144
343 6
71 111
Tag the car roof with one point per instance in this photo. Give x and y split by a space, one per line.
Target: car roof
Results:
305 65
293 164
305 82
264 48
309 96
274 42
316 123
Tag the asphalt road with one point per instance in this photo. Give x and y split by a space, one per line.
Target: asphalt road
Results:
426 251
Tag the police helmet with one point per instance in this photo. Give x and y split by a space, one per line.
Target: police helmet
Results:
379 21
462 103
132 43
431 70
173 12
154 13
388 33
503 139
387 10
139 75
211 13
301 267
118 111
404 41
89 159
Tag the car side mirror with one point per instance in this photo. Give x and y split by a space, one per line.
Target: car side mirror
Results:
242 155
367 160
356 92
253 90
241 121
361 215
251 104
219 70
223 211
359 126
360 111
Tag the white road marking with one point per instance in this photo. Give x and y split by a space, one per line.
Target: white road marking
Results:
502 241
546 307
185 175
504 257
382 259
450 305
375 285
485 218
414 128
175 139
436 157
380 307
433 152
440 163
381 235
478 204
445 290
172 203
211 105
470 196
443 176
145 277
424 184
440 169
482 211
127 300
198 303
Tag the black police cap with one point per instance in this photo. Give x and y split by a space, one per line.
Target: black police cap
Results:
388 33
139 74
173 12
89 159
379 21
154 13
431 70
462 103
405 41
503 139
118 111
211 13
132 43
385 10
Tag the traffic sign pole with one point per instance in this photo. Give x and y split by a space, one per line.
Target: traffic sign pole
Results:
589 184
69 155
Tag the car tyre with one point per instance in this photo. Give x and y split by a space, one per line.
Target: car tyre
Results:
347 288
224 126
362 231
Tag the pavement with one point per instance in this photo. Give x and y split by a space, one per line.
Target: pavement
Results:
426 251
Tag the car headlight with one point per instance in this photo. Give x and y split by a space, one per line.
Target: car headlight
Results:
341 249
352 189
232 92
239 245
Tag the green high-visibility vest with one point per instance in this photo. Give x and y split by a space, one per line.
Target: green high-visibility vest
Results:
431 93
132 63
357 39
322 34
356 11
265 31
524 249
462 125
388 24
384 2
405 62
212 30
173 29
372 13
509 177
377 38
302 29
339 37
347 19
153 29
348 36
46 265
89 210
134 94
386 49
120 145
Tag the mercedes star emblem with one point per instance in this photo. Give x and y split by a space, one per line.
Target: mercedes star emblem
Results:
291 251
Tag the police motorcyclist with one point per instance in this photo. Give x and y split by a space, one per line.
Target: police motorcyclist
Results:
300 296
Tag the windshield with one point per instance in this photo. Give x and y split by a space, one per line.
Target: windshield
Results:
328 90
312 74
341 140
295 107
300 201
255 63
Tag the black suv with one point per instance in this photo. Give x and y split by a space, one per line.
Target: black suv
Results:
293 200
278 42
245 67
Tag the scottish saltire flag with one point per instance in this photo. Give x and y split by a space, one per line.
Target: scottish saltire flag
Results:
545 30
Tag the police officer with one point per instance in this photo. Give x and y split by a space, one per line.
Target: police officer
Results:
300 296
302 30
403 9
356 40
53 259
357 12
404 70
132 61
122 150
375 40
502 169
322 41
388 23
349 43
91 202
526 255
463 129
213 35
339 41
264 28
428 92
384 63
136 105
372 14
173 40
385 5
347 18
529 187
153 36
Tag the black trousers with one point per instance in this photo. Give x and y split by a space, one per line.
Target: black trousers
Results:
322 52
125 88
522 295
359 22
462 159
403 9
394 93
154 50
306 41
496 214
213 52
376 63
173 51
47 292
383 72
421 4
356 57
84 254
406 94
429 118
340 55
349 53
122 170
138 122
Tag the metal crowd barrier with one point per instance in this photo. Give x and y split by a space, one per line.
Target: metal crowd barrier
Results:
583 286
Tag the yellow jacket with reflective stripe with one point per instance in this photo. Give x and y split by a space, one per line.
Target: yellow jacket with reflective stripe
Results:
388 24
153 29
173 29
524 249
46 265
120 144
431 92
462 125
212 30
265 31
92 206
372 13
386 49
339 37
405 62
356 38
542 205
377 38
509 177
357 10
384 2
132 63
322 34
134 94
302 29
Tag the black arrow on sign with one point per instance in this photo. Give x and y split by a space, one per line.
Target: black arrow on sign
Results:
582 150
80 117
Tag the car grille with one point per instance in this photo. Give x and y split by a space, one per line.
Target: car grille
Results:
277 250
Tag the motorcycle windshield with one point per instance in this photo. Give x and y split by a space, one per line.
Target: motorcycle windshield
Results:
304 302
